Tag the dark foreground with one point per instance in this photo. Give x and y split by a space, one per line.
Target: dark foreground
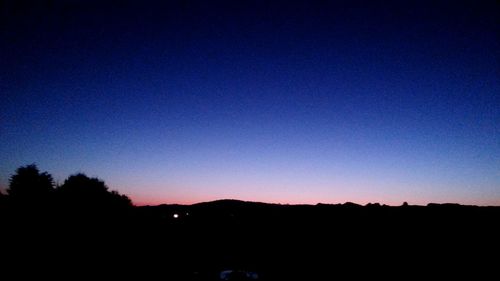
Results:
268 242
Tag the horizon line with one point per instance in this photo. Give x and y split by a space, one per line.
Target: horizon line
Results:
144 204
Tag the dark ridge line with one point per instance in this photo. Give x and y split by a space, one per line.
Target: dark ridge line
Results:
237 202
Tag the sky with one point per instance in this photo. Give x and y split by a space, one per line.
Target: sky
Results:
291 102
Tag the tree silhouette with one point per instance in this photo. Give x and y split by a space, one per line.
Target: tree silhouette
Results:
120 200
80 191
29 185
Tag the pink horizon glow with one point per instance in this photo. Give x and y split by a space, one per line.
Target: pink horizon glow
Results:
145 201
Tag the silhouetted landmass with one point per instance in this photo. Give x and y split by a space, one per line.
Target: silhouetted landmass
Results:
84 228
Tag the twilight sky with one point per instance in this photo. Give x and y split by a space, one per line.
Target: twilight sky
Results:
274 101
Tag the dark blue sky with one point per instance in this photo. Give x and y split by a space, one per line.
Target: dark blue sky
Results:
291 102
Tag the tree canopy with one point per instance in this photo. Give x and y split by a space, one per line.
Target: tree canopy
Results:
29 184
79 190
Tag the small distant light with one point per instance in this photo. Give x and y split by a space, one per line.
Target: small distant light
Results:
176 216
187 214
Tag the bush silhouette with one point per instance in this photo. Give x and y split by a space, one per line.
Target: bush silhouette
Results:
29 185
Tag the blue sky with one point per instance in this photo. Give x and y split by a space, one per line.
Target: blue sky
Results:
299 102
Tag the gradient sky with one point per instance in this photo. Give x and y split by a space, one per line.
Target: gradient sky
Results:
281 102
